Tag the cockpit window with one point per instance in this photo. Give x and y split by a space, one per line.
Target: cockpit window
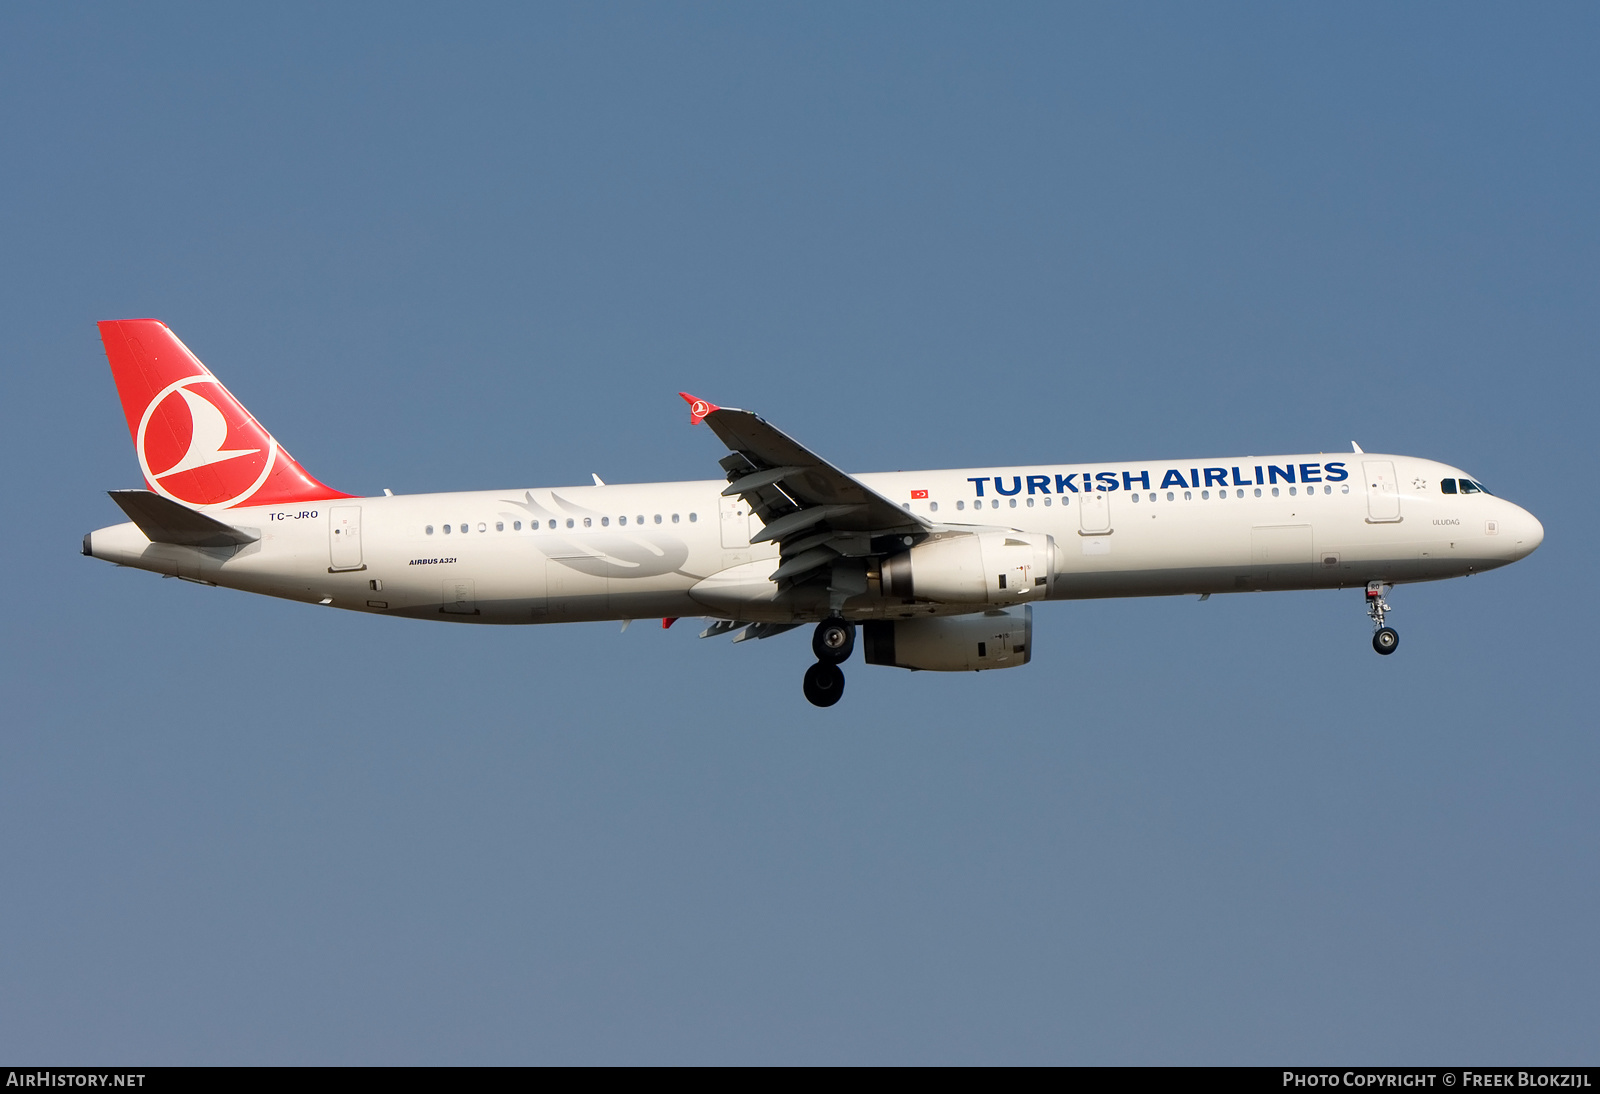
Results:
1482 487
1469 487
1447 486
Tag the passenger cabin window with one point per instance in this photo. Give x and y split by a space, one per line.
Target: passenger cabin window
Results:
516 526
430 529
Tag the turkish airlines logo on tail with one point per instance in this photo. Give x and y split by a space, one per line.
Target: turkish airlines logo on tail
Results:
197 445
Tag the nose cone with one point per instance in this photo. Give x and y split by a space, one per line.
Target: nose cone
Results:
1528 533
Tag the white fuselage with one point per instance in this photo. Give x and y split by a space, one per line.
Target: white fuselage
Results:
548 555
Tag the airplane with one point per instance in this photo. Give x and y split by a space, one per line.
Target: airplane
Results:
939 570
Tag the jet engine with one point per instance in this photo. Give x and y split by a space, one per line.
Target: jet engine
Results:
997 567
956 643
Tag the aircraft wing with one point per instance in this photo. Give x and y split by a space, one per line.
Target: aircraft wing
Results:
814 512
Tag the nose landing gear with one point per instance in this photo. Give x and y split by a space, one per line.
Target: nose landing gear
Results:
1385 639
833 643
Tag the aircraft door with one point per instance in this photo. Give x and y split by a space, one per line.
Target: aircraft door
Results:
1094 515
1383 492
736 518
344 538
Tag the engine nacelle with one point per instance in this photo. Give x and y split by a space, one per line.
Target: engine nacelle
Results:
995 567
955 643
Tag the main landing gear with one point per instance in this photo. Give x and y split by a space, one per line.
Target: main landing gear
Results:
1385 639
833 643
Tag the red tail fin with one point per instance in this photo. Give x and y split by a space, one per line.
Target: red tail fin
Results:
196 443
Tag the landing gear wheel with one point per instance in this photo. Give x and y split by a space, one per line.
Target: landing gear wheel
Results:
1385 640
834 641
824 683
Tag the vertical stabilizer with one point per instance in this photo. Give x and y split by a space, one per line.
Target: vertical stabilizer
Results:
195 442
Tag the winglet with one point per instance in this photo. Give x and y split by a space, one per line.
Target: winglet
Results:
698 408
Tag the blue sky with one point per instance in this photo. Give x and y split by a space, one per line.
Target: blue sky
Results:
476 246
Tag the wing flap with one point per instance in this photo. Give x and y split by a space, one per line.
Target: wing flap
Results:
755 479
802 519
803 562
763 630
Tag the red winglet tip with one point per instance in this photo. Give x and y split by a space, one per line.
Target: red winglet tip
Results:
698 408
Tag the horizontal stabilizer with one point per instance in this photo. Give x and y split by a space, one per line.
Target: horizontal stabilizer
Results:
163 520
